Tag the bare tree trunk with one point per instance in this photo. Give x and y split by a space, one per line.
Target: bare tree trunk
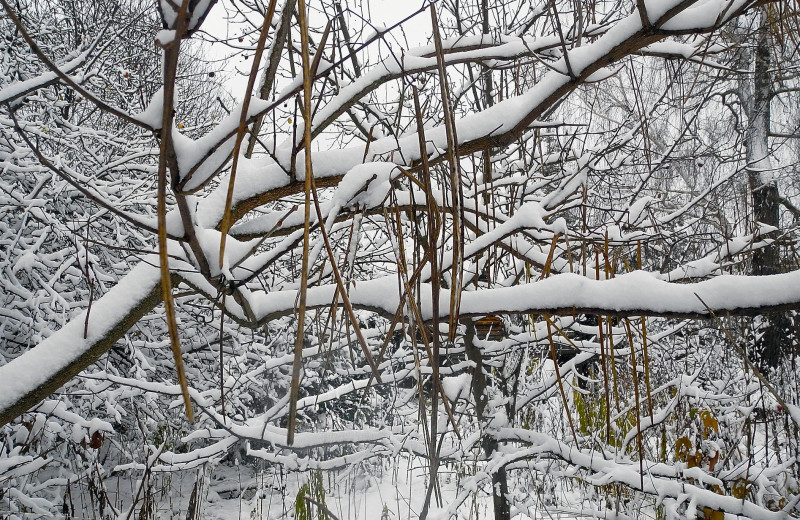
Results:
502 511
763 186
769 343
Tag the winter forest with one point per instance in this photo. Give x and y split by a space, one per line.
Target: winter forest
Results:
364 259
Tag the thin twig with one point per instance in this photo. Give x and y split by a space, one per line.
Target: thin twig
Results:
251 81
301 311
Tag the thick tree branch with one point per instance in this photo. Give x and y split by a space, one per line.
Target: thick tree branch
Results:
41 371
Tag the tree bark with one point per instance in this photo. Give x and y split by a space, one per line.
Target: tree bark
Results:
771 337
502 511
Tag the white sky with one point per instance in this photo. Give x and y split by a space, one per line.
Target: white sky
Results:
380 12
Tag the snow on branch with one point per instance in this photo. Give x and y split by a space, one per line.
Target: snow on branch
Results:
634 294
29 378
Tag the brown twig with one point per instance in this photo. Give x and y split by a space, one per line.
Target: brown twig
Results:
298 344
240 131
171 53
